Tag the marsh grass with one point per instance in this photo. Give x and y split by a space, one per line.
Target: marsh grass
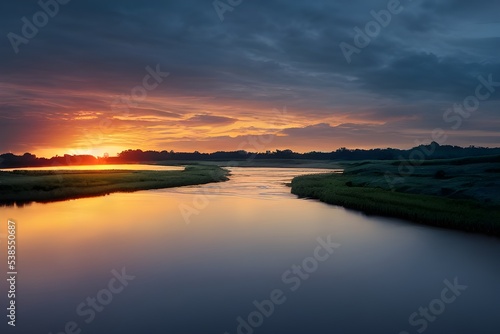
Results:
462 197
23 186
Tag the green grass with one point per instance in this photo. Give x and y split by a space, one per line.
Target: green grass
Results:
465 197
464 161
46 186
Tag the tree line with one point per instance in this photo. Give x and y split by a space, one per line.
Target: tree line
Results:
9 160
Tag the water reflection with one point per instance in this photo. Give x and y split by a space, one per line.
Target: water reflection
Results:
199 278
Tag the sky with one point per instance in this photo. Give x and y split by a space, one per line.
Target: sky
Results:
96 77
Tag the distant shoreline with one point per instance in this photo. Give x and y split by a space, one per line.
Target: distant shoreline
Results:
288 163
245 158
291 163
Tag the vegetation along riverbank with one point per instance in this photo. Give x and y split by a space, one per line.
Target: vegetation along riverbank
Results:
461 194
23 186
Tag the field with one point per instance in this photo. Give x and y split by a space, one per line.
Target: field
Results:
461 194
20 187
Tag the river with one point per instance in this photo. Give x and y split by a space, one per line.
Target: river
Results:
244 256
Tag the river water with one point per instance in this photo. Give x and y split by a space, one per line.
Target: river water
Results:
243 256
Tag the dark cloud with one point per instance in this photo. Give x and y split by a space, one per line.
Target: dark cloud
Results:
266 54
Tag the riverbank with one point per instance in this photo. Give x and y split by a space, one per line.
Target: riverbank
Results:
462 195
20 187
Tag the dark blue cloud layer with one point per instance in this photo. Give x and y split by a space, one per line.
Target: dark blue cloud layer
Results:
272 52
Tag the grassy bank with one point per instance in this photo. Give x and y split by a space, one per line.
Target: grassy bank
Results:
462 196
46 186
